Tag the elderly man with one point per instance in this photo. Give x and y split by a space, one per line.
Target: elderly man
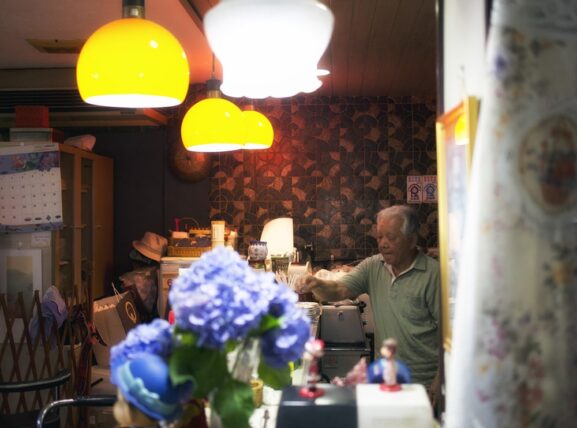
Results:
403 285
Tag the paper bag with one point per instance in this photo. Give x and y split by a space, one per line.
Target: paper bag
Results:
113 317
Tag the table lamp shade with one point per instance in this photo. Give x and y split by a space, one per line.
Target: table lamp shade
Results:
279 236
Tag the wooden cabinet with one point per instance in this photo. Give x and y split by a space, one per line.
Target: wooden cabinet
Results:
83 248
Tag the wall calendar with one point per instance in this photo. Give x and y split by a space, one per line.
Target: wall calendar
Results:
30 188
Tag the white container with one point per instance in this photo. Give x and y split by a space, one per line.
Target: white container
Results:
410 407
167 273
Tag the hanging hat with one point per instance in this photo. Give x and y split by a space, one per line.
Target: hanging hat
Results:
151 245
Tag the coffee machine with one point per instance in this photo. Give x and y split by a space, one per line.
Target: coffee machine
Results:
343 331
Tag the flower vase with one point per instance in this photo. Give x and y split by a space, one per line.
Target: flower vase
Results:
214 420
242 367
246 360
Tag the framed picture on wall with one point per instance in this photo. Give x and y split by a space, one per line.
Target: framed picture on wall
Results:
456 131
20 272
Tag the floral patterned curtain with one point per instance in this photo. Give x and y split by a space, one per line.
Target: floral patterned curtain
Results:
514 358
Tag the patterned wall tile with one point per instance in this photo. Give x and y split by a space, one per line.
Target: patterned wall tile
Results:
377 163
352 188
397 189
401 163
329 163
334 164
329 212
273 188
328 189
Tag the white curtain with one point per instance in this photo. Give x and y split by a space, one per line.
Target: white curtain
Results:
514 355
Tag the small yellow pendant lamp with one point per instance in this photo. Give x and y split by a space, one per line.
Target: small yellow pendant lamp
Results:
132 62
213 124
258 131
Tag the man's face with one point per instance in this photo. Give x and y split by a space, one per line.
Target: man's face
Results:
395 247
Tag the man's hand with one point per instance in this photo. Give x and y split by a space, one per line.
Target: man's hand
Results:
305 284
324 290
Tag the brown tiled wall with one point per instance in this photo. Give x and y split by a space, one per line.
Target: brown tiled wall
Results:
334 164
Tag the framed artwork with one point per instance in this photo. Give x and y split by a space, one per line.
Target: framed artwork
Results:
456 131
20 271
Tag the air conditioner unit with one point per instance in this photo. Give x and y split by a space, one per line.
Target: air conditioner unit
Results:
89 119
66 110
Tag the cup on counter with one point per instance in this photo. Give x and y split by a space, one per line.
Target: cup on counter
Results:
280 264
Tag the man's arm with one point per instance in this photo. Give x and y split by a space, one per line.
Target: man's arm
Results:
324 290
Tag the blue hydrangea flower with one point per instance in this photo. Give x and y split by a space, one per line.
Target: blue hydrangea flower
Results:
220 298
154 338
285 344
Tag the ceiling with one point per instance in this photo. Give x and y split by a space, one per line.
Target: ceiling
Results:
378 47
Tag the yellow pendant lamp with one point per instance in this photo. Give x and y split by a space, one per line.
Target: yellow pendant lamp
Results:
258 131
132 62
213 124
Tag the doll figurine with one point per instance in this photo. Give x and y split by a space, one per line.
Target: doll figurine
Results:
388 371
314 349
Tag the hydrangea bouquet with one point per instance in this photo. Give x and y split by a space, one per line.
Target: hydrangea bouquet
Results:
228 318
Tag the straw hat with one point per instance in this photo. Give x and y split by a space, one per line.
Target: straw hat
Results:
151 245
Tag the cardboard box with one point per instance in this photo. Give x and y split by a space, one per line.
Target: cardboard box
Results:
32 116
38 135
113 317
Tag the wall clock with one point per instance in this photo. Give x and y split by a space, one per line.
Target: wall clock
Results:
188 166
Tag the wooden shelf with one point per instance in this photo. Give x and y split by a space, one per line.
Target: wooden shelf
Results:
86 180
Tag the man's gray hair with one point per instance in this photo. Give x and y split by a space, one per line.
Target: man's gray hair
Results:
406 213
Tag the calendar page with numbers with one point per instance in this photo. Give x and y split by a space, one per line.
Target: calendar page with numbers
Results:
30 188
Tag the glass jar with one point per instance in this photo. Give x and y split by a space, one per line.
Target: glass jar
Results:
257 251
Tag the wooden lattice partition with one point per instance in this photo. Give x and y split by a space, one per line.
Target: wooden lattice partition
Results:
28 353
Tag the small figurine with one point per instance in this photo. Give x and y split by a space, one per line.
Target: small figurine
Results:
314 349
388 371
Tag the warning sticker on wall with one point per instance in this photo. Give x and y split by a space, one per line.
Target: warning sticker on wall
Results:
414 189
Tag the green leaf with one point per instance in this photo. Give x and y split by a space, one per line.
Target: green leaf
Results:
205 367
268 322
275 378
186 337
234 404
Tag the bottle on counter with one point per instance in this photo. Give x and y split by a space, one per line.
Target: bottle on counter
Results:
217 231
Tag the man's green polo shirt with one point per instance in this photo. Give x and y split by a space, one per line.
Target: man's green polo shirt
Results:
406 309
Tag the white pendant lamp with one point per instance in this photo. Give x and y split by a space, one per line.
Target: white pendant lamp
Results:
213 124
269 48
258 131
132 62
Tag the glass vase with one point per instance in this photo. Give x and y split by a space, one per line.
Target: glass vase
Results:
246 359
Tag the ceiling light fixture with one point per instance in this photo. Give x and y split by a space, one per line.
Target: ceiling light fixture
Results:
258 131
269 48
213 124
132 62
